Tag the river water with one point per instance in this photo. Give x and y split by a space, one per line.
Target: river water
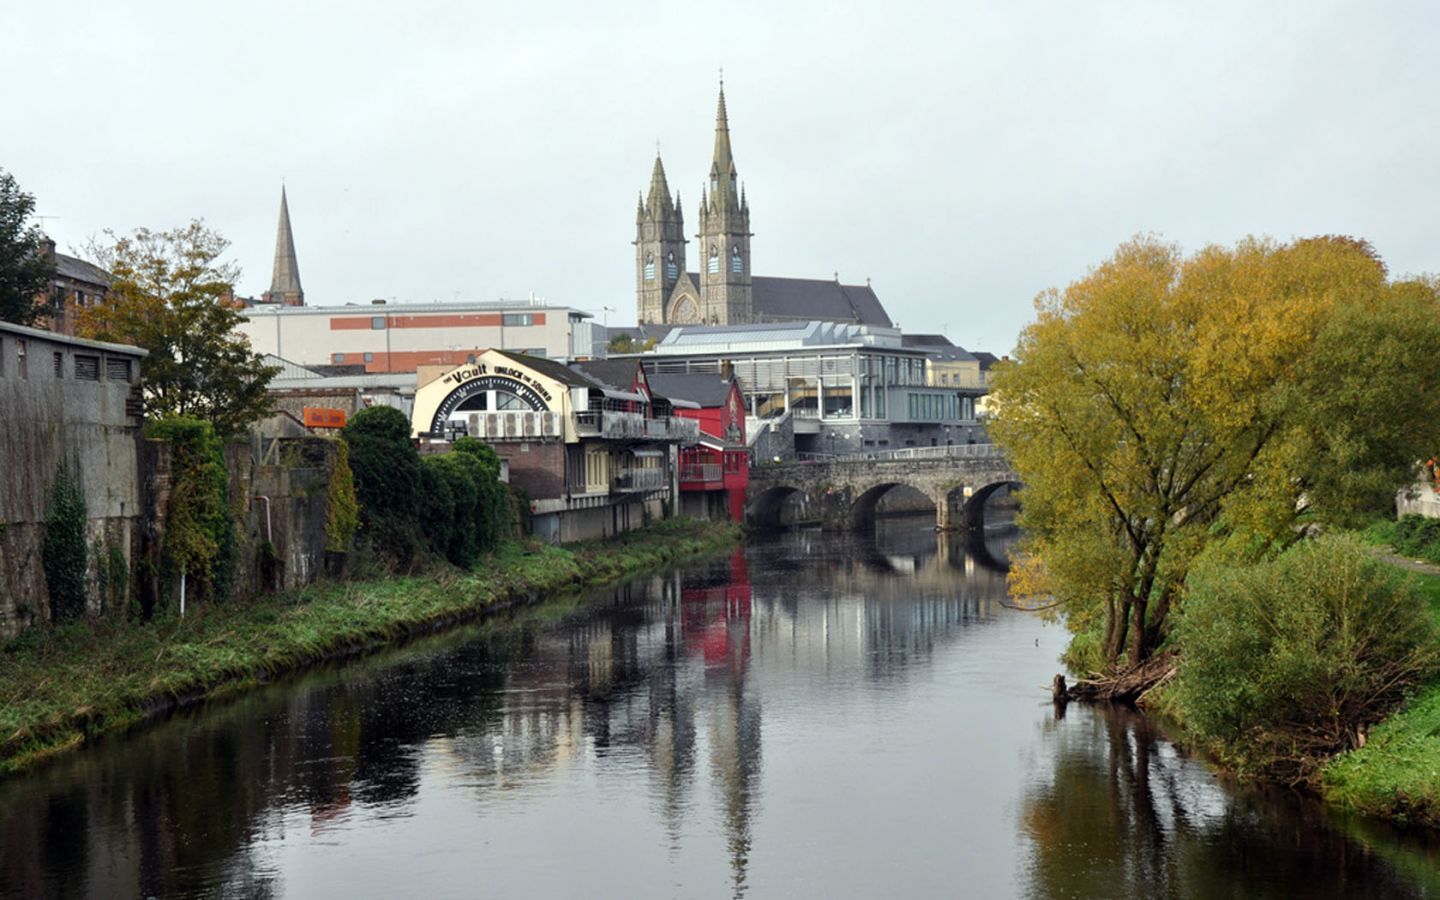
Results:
814 716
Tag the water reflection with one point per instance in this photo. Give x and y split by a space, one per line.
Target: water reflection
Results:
769 723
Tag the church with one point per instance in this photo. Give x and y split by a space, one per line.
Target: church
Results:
724 291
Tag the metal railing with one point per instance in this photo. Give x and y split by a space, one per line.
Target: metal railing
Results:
701 472
640 480
951 451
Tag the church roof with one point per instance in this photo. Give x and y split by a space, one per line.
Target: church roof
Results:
809 299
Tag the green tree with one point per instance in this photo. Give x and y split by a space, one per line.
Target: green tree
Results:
25 275
1163 402
170 294
200 540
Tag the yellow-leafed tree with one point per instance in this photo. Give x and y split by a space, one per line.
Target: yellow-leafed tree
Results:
1164 402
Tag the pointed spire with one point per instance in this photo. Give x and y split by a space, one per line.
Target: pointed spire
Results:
285 278
658 202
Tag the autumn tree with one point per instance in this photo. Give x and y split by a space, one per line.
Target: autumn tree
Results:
1163 402
169 294
25 275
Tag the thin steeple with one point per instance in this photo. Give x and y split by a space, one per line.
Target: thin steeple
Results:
722 170
285 278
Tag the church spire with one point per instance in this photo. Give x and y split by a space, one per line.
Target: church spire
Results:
285 278
722 170
659 202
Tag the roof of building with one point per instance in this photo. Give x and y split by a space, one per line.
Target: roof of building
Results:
937 347
773 336
406 308
41 334
618 374
709 391
805 299
986 359
552 369
80 270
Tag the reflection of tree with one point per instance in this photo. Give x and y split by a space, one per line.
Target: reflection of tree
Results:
1123 815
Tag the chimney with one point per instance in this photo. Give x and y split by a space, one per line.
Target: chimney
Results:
47 247
377 302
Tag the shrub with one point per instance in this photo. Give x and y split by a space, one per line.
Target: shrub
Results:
1283 661
63 552
200 539
386 469
1418 536
342 508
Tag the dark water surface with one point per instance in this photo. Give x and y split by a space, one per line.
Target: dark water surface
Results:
816 716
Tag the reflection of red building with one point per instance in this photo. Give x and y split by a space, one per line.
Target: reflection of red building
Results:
715 619
715 472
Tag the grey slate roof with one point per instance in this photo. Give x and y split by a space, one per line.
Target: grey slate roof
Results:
937 346
705 389
986 359
616 374
551 369
806 299
813 299
80 270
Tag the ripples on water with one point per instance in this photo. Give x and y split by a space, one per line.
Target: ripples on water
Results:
819 715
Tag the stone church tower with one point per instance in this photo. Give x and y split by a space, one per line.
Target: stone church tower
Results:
659 248
665 292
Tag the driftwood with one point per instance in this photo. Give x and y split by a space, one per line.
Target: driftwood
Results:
1122 686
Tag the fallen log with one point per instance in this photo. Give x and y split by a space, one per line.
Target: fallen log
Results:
1128 685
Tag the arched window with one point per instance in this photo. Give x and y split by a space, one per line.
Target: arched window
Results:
649 267
737 265
714 260
672 271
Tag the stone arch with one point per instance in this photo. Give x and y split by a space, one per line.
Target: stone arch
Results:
971 510
684 310
765 510
862 509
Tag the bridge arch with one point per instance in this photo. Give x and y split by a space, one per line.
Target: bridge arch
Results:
971 509
766 510
863 507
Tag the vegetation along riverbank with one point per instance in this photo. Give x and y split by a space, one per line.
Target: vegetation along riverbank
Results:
65 686
1184 426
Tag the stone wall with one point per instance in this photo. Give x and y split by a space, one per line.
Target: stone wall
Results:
54 412
1419 499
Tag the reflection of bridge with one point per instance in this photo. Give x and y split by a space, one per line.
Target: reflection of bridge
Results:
842 492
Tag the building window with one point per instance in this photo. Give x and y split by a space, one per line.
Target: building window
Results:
337 359
369 357
87 368
737 265
117 368
377 323
649 267
672 271
59 364
517 320
714 266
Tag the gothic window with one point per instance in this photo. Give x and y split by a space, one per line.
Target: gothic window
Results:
672 271
737 265
649 267
685 311
714 260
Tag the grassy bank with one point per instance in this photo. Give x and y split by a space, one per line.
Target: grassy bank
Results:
62 687
1396 775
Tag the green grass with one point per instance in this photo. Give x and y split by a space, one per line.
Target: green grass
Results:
60 687
1396 775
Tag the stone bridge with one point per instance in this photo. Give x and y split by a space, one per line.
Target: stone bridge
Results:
841 492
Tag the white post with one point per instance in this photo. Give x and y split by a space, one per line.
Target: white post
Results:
182 593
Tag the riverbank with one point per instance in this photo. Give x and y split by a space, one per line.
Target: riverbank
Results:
1396 775
63 687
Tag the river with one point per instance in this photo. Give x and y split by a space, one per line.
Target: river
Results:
814 716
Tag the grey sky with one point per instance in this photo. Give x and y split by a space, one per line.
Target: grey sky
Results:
964 156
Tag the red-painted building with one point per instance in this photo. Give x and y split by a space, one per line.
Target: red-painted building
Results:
714 473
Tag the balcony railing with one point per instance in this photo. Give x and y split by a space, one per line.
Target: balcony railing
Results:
640 480
701 472
623 425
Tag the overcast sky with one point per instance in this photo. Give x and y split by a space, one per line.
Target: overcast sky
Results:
962 155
